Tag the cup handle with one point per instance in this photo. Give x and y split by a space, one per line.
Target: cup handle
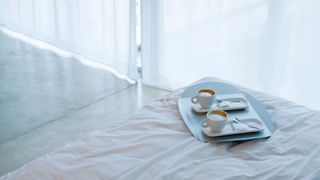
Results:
194 99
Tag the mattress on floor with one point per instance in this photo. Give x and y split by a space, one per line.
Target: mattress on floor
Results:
154 143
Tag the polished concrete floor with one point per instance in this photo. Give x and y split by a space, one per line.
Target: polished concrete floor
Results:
47 101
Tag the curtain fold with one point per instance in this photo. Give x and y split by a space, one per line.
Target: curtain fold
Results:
102 31
268 45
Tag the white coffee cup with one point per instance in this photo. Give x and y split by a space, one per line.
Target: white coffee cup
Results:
216 120
205 97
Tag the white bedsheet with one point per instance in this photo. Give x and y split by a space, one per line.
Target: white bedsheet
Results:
154 143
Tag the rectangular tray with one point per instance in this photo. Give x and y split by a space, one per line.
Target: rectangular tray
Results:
220 99
233 128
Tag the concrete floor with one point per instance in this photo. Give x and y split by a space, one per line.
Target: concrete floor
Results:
47 101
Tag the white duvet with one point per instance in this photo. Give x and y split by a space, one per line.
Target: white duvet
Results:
154 143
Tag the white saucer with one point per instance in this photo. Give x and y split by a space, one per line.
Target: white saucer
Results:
197 108
226 103
233 128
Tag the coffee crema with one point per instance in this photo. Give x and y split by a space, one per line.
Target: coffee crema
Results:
205 94
216 117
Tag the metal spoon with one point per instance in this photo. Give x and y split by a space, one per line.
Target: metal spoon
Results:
234 101
238 121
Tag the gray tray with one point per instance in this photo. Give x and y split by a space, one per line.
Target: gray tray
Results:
193 120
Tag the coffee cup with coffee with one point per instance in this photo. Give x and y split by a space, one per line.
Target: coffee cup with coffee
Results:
204 97
216 120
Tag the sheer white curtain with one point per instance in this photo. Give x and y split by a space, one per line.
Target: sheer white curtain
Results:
102 31
268 45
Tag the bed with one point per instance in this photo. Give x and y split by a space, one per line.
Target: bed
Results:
154 143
